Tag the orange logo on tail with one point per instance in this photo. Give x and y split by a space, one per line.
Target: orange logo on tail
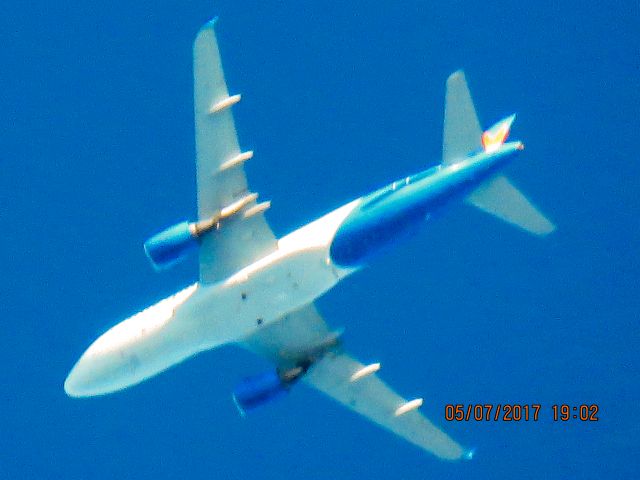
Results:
493 138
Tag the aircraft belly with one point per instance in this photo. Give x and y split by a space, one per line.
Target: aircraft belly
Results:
202 317
171 331
296 274
287 283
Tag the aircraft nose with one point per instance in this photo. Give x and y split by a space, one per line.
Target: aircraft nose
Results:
82 379
96 373
78 379
111 363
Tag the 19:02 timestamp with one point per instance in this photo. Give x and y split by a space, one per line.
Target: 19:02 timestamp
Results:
585 413
514 412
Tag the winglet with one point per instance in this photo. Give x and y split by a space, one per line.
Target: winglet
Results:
211 23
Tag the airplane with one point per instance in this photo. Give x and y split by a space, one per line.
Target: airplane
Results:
258 291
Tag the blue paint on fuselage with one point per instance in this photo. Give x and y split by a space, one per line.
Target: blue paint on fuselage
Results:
398 210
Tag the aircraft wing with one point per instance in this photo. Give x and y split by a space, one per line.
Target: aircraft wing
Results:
290 339
243 237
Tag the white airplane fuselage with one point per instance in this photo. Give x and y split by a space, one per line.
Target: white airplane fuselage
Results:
306 264
202 317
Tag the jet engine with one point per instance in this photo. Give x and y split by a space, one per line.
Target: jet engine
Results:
174 244
257 390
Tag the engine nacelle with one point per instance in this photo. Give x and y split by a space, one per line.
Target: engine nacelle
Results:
255 391
172 245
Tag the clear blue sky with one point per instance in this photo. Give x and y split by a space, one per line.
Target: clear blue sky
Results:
97 153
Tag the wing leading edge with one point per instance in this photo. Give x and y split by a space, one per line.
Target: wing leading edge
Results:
349 382
246 236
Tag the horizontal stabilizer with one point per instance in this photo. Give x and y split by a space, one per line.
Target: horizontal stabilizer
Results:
500 198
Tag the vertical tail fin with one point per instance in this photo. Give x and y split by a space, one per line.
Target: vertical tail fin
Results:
462 132
463 135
